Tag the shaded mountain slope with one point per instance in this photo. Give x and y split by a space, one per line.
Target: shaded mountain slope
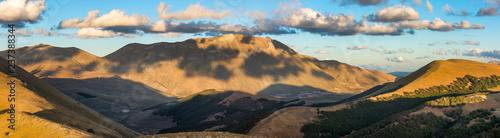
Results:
438 72
43 111
236 62
48 61
212 110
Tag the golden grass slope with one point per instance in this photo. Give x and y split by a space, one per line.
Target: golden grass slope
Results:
45 61
438 72
43 111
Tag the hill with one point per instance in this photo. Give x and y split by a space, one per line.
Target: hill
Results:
43 111
438 72
237 62
212 110
47 61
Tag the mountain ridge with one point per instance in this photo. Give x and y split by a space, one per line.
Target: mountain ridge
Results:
227 62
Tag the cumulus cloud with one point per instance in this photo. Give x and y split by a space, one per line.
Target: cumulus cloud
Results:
308 20
45 32
487 11
482 53
451 42
211 27
439 52
168 34
321 52
392 14
387 51
454 51
450 11
399 59
417 2
194 11
22 32
115 18
469 42
359 47
20 12
428 5
94 33
404 50
493 2
423 57
360 2
436 25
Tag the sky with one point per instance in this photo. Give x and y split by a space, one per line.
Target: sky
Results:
385 35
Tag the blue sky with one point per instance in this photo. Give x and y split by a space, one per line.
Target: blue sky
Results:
317 28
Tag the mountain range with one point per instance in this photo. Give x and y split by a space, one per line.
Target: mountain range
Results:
234 83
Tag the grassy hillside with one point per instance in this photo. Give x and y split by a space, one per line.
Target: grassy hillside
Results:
365 113
43 111
439 72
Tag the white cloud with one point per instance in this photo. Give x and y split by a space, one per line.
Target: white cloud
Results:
423 57
21 10
374 49
436 25
417 2
482 53
22 32
455 51
169 34
387 51
45 32
194 11
493 2
359 47
487 11
440 52
469 42
392 14
94 33
428 5
325 24
115 18
321 52
448 9
451 42
399 59
360 2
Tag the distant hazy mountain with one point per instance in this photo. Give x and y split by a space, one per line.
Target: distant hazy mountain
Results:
43 111
496 62
399 74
